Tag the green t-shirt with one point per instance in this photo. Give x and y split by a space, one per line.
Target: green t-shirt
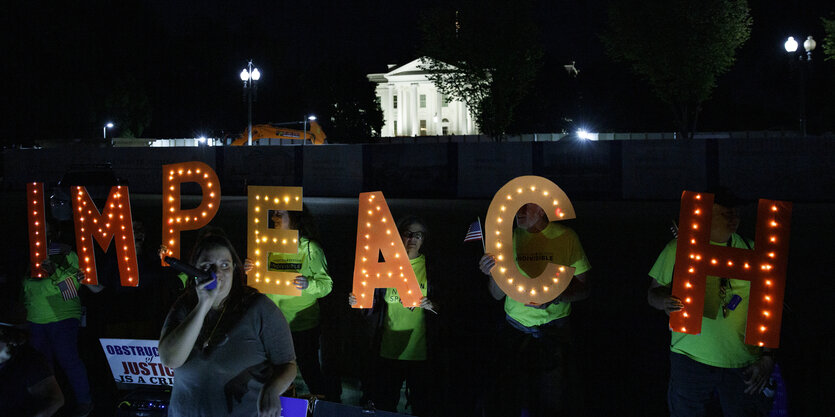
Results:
404 330
42 297
721 342
302 311
533 251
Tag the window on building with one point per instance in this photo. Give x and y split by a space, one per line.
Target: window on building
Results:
445 130
395 128
423 127
394 102
444 100
423 101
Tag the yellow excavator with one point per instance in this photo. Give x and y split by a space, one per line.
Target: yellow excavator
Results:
314 134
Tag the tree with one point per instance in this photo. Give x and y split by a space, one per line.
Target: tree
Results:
484 53
344 101
128 106
829 39
680 47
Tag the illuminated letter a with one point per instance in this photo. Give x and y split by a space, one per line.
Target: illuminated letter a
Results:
377 234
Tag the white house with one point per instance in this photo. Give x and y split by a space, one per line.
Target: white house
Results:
412 106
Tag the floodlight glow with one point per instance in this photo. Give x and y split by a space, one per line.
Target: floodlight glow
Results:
256 75
244 75
583 134
791 44
201 139
311 118
110 125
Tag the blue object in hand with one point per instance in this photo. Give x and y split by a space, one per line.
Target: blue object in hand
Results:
212 285
735 300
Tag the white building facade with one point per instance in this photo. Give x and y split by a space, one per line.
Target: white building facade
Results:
412 106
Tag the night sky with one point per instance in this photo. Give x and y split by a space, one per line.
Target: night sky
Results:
65 65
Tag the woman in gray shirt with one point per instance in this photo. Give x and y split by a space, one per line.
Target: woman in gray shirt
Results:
230 346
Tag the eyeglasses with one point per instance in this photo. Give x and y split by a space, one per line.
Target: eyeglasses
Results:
413 235
728 305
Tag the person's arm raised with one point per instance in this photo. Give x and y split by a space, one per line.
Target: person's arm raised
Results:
175 345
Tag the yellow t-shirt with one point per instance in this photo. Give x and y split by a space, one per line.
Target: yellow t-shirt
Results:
533 251
722 340
302 311
42 296
404 330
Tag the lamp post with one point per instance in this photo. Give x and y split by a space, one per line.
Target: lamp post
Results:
304 137
104 130
805 62
250 75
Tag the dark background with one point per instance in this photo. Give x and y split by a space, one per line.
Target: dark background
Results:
67 65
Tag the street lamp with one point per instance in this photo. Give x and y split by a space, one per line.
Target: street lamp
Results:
304 137
791 47
104 130
250 75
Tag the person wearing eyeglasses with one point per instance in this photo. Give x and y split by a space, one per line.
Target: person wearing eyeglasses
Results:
401 333
716 362
230 346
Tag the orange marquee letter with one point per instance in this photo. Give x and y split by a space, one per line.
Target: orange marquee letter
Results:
114 221
37 228
764 267
174 219
377 234
498 227
262 240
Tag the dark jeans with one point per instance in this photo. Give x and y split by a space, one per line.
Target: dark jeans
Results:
389 377
59 342
693 386
533 372
306 345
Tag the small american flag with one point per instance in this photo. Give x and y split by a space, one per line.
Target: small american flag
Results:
67 288
474 232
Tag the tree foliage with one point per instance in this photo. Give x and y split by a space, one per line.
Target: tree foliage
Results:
680 47
484 53
345 102
829 38
128 107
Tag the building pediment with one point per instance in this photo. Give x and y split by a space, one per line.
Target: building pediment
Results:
410 71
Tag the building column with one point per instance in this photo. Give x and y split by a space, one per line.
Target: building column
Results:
389 111
414 110
461 119
469 119
401 120
439 113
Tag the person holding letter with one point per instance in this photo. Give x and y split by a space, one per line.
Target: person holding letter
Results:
401 333
535 338
54 311
302 311
230 346
717 360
